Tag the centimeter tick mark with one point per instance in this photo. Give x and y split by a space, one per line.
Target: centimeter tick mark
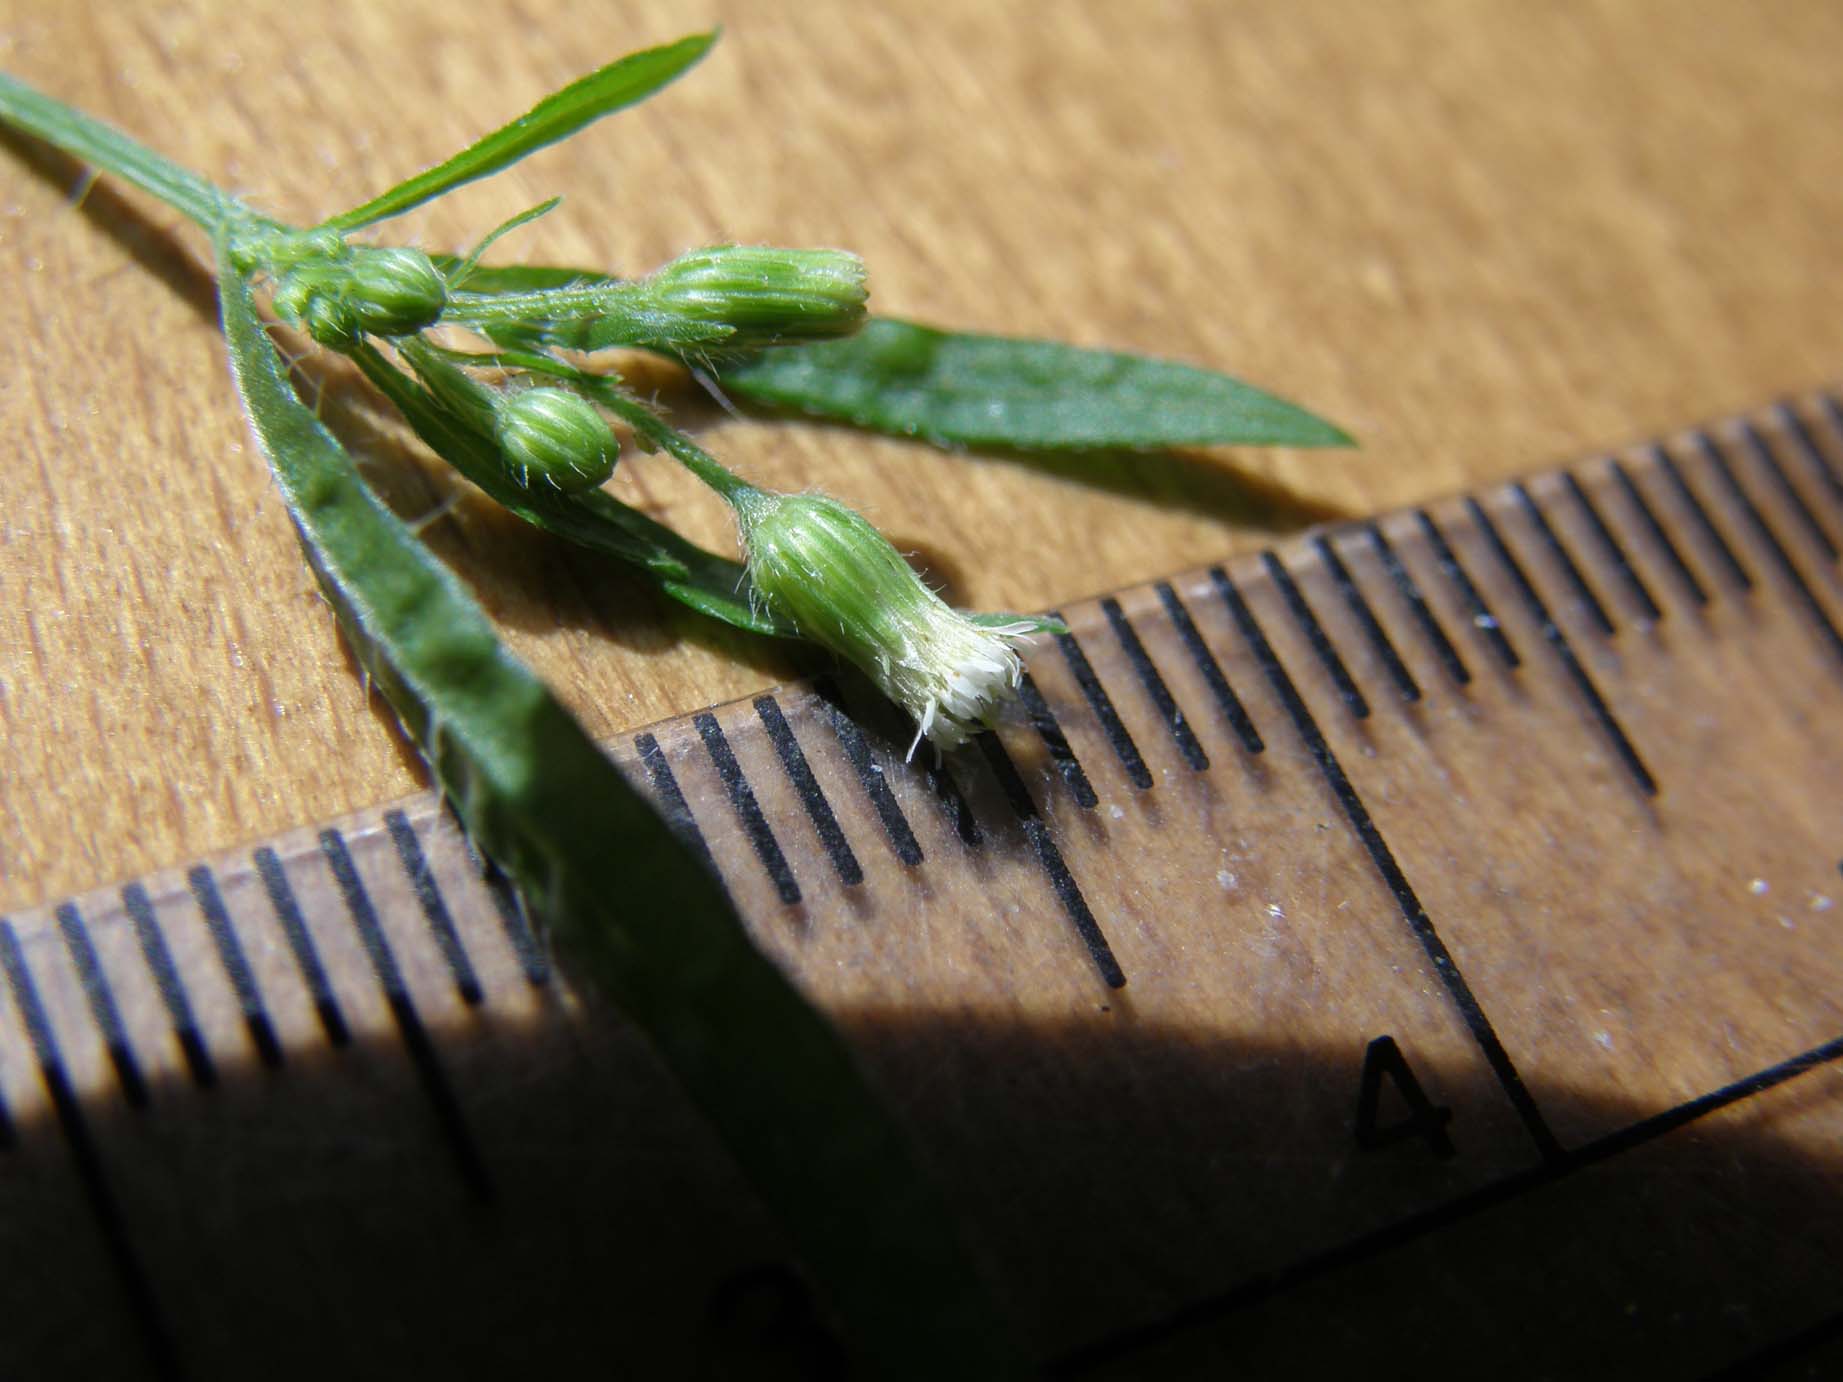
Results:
1419 923
1833 413
86 1158
532 959
1783 483
1482 618
1102 705
1043 720
414 1035
1156 691
434 907
1564 651
1366 619
1610 548
674 807
1411 595
1068 892
1211 671
871 777
1667 463
236 965
287 911
101 1000
1551 540
1315 635
1770 540
748 810
1813 453
1648 519
954 805
806 787
171 988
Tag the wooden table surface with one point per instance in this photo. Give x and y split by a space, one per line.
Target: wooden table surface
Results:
1483 237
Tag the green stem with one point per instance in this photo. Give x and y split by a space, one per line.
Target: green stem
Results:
676 444
107 148
704 581
607 392
608 315
547 304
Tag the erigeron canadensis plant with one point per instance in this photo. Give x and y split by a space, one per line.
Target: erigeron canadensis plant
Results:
530 426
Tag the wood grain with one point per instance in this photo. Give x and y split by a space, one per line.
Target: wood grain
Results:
1482 237
1132 1059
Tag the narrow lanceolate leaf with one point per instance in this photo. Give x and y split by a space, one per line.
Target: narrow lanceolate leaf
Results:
458 275
110 150
623 897
557 116
958 389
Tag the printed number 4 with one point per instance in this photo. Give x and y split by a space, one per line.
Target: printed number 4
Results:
1425 1119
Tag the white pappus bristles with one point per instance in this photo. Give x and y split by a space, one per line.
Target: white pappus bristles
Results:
830 573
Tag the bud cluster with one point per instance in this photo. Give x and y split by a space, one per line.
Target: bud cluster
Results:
815 565
341 295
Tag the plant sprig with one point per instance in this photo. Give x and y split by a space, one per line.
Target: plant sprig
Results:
529 426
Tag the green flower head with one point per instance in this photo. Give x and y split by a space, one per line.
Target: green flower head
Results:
827 570
555 437
765 295
394 290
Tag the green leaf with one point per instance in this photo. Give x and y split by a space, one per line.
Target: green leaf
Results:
458 275
958 389
633 911
107 148
557 116
963 389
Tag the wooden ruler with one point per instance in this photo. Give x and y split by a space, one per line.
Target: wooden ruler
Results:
1412 950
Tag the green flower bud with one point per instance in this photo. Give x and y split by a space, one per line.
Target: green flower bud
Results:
330 321
387 292
765 294
294 294
393 291
838 580
555 437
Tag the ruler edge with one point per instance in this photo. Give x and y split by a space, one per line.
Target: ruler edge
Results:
427 805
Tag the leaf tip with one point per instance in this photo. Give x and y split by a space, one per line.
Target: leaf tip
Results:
1333 436
697 45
